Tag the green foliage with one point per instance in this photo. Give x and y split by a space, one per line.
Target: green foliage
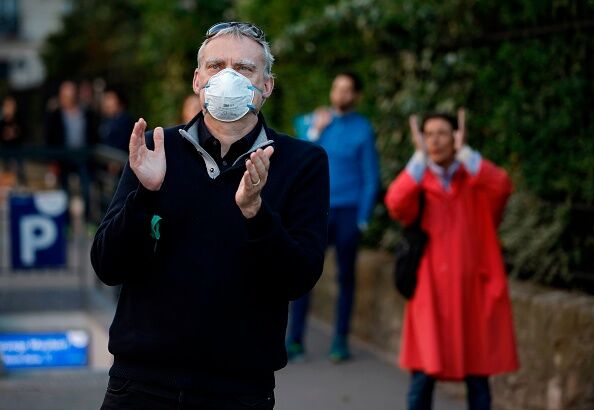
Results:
531 232
98 39
169 44
147 46
523 68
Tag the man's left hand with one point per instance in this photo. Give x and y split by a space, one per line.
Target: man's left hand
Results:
254 178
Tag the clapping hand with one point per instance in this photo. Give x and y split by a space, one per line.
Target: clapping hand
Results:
148 166
254 178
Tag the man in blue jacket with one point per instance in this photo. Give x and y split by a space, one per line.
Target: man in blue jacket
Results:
348 139
210 236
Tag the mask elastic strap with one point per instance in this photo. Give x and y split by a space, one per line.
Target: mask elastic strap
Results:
254 88
251 106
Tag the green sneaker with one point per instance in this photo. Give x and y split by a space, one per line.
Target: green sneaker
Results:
339 352
295 352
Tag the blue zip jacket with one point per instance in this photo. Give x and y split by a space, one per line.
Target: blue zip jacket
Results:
349 142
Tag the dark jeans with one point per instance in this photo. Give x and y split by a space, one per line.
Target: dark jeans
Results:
344 234
420 394
124 394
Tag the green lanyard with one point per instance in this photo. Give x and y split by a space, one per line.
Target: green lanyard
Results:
155 233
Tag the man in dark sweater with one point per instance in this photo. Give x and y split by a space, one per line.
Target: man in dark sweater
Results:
210 236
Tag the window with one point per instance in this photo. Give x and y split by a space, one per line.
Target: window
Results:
3 70
9 17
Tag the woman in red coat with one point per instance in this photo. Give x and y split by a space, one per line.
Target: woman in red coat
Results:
458 325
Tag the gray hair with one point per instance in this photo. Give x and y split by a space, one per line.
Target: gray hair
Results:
240 31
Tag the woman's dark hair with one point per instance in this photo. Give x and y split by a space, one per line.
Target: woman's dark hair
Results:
453 121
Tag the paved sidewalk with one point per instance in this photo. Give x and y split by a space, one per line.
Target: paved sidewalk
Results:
368 382
53 390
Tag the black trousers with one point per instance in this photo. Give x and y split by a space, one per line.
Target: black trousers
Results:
420 394
124 394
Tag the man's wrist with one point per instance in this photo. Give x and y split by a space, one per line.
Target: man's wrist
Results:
251 210
313 134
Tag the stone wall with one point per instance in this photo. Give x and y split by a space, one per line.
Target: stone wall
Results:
554 330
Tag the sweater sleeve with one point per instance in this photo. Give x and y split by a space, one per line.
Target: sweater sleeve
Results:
294 239
123 240
417 165
495 184
303 127
470 159
370 173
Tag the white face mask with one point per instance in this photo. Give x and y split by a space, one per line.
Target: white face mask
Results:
228 95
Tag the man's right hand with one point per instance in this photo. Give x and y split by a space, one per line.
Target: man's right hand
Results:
322 118
148 166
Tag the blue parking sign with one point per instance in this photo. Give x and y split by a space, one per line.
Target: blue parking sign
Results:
37 225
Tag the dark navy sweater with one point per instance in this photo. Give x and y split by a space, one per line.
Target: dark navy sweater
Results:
205 306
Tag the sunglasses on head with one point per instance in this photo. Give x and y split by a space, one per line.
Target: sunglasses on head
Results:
245 28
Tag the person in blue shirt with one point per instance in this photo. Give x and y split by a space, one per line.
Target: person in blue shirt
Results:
349 141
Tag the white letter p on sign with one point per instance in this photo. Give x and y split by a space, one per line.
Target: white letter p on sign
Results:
37 233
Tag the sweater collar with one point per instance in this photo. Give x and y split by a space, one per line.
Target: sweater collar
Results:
191 133
445 175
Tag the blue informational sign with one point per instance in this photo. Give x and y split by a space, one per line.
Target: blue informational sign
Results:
37 225
44 350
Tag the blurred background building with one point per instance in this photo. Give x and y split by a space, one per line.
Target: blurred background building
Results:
24 25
